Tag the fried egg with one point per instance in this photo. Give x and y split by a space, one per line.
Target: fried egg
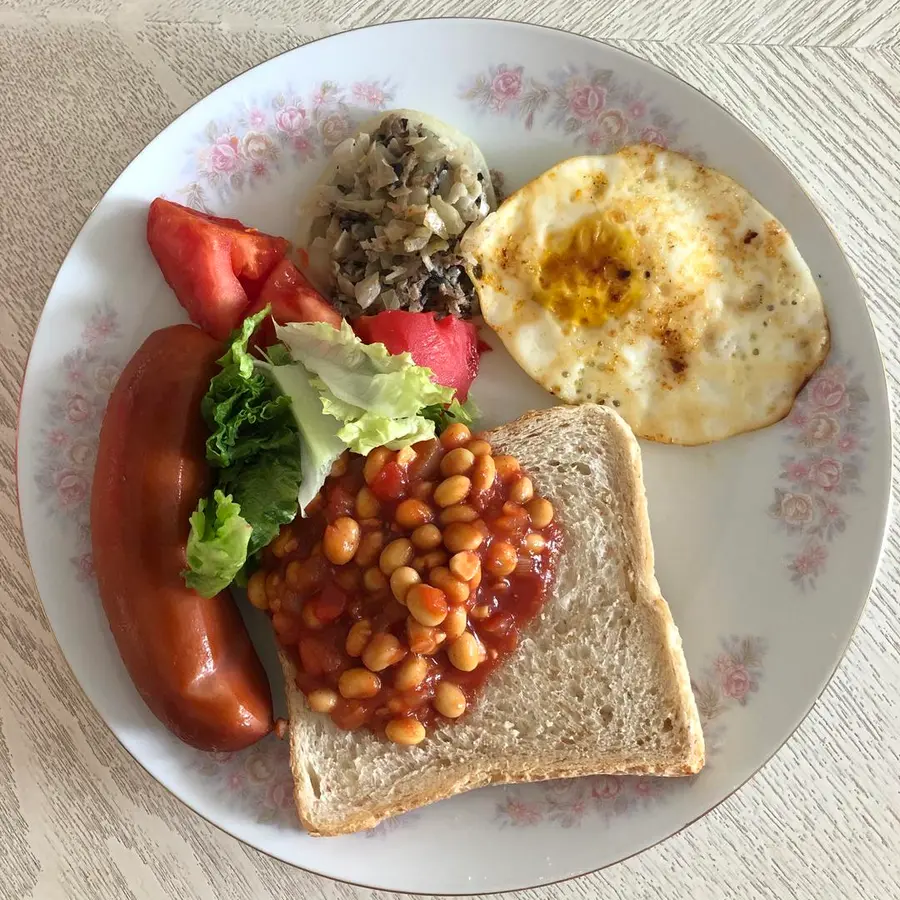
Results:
651 283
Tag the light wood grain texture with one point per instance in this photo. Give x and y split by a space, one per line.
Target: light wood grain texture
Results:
87 83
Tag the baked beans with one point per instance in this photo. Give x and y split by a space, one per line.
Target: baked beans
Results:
426 537
411 513
449 700
402 579
397 553
409 582
458 461
452 490
322 700
408 731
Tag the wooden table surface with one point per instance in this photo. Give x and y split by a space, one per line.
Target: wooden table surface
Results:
86 83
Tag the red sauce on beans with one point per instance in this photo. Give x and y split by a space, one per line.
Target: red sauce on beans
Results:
409 581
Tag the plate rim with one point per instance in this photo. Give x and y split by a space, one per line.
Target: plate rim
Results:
879 371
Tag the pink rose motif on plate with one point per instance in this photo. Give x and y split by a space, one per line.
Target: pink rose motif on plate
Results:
826 473
258 147
736 682
78 409
506 86
847 443
236 780
522 813
291 120
821 429
612 124
575 100
368 93
826 392
654 136
236 153
105 378
606 787
224 156
646 787
280 794
827 429
796 509
810 561
303 147
81 451
637 110
100 327
334 129
586 101
84 567
259 767
797 471
256 118
71 488
57 438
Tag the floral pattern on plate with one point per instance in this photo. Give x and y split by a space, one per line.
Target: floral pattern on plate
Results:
257 779
597 108
826 433
74 413
727 683
235 153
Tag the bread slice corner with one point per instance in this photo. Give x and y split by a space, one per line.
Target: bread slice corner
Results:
598 684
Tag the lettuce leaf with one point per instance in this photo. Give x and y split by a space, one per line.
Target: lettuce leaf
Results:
255 447
319 442
445 415
362 375
245 413
378 399
265 487
217 545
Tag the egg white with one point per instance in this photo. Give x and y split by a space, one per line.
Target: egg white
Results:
724 325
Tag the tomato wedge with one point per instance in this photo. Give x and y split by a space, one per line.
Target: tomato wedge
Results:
210 262
448 346
293 299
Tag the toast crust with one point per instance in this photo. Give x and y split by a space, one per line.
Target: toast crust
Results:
468 773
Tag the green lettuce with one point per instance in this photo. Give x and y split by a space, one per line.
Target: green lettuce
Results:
245 413
319 442
266 488
377 398
217 545
445 415
362 375
255 448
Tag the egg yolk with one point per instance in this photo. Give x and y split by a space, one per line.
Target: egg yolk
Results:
587 274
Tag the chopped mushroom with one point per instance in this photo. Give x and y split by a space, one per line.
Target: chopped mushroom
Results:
387 228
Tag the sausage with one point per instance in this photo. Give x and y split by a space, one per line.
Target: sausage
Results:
191 659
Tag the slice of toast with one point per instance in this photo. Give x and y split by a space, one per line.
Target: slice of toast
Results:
598 684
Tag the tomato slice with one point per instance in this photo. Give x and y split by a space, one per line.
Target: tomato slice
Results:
448 346
390 483
330 604
293 299
209 262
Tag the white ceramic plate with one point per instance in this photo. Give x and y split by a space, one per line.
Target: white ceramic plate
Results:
766 544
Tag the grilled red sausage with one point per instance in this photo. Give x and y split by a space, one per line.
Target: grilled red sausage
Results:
191 659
